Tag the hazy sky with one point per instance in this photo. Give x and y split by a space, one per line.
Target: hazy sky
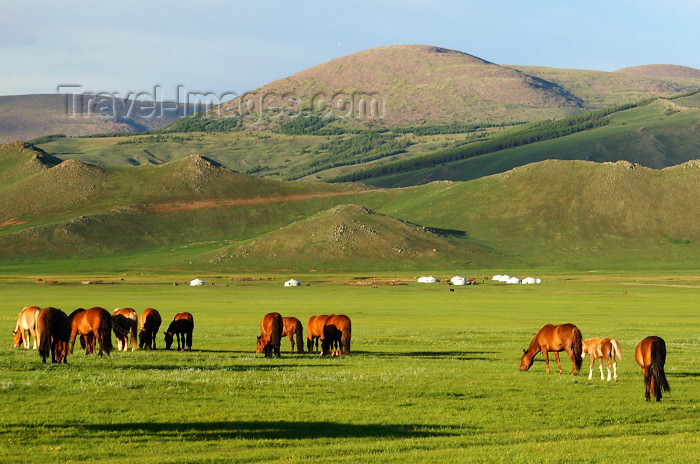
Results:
234 46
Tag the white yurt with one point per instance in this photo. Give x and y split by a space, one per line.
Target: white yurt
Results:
529 280
292 283
496 278
514 280
458 280
427 280
504 278
197 283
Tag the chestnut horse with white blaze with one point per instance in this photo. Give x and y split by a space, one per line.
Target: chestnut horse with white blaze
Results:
96 324
564 337
651 357
125 324
314 331
150 324
291 327
270 335
53 330
26 327
602 348
182 327
337 332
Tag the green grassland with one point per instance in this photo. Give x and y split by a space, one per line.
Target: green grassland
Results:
433 375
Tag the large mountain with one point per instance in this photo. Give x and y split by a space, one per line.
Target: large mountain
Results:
415 84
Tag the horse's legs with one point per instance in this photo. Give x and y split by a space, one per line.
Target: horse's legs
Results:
556 356
647 382
600 365
590 372
291 340
655 391
73 335
607 362
614 368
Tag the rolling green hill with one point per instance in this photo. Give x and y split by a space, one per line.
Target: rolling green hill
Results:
195 213
657 134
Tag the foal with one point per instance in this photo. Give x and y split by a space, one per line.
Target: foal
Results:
602 348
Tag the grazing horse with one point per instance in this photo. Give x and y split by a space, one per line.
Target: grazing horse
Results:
565 337
270 336
337 332
150 324
53 330
26 326
96 324
314 331
182 326
291 327
651 357
125 323
602 348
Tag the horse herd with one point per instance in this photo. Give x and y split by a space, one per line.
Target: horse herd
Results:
54 332
650 355
334 331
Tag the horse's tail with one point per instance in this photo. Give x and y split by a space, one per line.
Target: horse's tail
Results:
133 325
44 339
577 348
345 338
616 348
106 333
656 369
300 338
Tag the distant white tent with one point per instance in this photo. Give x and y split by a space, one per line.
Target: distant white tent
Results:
530 280
427 280
497 278
197 283
504 278
292 283
514 280
458 280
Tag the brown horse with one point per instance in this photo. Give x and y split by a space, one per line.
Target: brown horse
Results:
291 327
26 327
602 348
53 330
565 337
271 335
150 324
651 357
182 326
337 332
96 324
314 331
125 323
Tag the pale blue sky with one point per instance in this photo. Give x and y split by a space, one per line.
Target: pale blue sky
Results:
236 46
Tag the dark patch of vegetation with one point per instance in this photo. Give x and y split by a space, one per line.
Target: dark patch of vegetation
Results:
159 138
453 128
46 139
360 148
203 123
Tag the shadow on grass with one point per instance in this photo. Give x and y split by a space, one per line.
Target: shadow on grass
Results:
251 430
683 374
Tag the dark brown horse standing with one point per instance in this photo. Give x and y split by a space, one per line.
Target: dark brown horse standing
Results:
150 324
291 327
125 323
53 330
270 336
565 337
96 324
182 326
314 331
651 357
337 332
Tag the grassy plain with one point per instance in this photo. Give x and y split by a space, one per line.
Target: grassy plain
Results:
433 376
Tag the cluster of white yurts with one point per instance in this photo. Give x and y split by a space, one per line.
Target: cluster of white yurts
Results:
514 280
